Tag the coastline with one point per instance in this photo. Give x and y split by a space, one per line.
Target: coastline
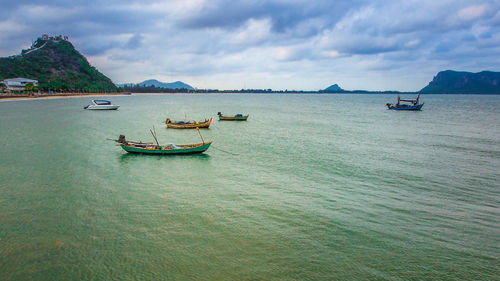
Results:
75 95
90 95
59 96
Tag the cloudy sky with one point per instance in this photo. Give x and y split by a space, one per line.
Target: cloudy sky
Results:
278 44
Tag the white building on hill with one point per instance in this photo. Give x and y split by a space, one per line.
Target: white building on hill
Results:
18 84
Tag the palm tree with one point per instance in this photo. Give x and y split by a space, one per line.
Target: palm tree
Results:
3 88
29 87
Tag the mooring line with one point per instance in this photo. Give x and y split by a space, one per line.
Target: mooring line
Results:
224 151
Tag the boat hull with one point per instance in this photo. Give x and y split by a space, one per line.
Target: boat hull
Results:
163 150
200 125
410 107
102 107
233 118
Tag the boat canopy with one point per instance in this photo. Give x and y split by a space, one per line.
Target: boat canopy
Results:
411 101
102 102
408 100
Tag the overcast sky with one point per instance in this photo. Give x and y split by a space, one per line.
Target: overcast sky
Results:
278 44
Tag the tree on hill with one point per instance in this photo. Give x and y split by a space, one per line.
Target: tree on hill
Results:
30 87
57 67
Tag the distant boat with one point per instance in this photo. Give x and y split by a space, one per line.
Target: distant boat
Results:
406 105
156 149
188 124
101 105
237 117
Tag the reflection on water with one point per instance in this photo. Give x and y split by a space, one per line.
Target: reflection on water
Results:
127 157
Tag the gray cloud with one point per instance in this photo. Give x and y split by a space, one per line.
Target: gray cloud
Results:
204 40
284 15
134 42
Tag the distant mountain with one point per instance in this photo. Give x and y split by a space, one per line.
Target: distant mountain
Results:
158 84
57 65
333 89
454 82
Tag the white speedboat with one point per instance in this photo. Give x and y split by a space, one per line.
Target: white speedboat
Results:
101 105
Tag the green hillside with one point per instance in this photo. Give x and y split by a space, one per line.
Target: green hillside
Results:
57 66
455 82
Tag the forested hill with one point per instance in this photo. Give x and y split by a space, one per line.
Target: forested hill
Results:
57 66
455 82
158 84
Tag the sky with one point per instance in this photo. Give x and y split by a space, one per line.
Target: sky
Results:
275 44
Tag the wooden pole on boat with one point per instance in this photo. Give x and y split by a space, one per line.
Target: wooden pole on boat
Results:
202 140
154 130
154 137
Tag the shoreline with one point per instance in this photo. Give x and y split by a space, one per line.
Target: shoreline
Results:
59 96
80 95
91 95
75 95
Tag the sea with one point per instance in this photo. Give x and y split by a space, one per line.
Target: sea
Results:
311 187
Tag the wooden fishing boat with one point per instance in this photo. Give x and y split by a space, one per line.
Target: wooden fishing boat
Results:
237 117
168 149
189 124
156 149
407 105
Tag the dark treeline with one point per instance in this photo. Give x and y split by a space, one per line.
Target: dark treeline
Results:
152 89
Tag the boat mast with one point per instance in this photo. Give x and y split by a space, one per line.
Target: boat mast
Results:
202 140
154 136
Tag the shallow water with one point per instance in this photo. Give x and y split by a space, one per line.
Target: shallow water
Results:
311 187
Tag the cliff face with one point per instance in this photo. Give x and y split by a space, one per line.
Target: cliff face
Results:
454 82
57 66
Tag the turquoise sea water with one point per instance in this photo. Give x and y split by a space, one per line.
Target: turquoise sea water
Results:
311 187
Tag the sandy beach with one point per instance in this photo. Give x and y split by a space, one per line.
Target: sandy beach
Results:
74 95
79 95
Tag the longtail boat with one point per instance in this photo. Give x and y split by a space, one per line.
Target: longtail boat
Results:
188 124
407 105
237 117
157 149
